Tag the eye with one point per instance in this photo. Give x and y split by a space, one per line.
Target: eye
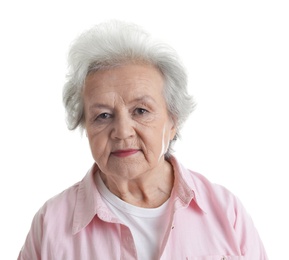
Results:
140 111
103 116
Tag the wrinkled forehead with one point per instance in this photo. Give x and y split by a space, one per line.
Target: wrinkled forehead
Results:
131 81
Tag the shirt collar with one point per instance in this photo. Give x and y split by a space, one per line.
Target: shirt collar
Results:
188 186
89 201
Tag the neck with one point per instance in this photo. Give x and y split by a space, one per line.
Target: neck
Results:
150 190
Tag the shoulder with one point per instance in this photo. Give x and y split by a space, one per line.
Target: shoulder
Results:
211 197
64 200
224 209
213 192
51 221
219 202
209 189
199 183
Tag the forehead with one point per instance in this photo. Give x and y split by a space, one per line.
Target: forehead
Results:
131 79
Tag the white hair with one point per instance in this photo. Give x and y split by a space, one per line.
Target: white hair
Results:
114 44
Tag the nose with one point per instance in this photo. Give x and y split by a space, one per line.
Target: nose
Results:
123 127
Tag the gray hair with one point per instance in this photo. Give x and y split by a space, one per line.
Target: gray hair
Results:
114 44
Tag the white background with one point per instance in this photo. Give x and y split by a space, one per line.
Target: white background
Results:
236 53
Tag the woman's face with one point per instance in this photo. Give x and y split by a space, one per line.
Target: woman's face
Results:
126 120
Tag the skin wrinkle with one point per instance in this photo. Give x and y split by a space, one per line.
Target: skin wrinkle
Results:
143 179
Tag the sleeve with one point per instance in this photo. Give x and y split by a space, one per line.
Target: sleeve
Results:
250 242
32 246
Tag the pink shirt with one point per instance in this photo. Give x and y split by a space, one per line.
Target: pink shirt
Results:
206 222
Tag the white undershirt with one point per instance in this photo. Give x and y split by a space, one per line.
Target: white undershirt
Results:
147 225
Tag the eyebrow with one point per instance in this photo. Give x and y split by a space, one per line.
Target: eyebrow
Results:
143 99
99 106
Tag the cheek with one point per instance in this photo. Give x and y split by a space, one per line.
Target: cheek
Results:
98 144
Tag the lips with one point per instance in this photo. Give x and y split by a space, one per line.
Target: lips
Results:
125 153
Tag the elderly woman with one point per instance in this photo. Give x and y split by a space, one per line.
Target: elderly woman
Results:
128 93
